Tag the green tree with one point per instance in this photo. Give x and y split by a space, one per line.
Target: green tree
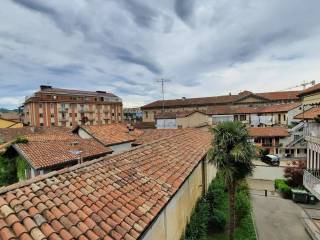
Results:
232 154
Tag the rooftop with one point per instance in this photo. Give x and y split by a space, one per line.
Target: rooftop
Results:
225 99
309 114
115 197
310 90
268 132
112 134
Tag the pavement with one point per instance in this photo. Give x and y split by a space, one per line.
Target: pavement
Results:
267 172
275 218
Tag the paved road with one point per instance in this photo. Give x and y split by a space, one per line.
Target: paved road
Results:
267 172
276 218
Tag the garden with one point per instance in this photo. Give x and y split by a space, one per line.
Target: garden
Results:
210 216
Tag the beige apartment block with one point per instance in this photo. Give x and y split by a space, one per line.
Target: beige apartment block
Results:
63 107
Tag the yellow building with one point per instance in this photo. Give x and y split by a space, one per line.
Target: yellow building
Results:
10 120
311 96
4 123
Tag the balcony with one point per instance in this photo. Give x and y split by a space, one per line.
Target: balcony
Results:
311 181
63 119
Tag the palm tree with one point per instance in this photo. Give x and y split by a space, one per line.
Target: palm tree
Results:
232 155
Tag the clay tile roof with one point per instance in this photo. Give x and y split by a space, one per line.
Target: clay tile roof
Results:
268 132
9 134
46 154
112 134
115 197
223 100
227 109
310 90
179 114
309 114
151 135
14 116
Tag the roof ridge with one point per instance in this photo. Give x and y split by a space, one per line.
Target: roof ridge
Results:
78 166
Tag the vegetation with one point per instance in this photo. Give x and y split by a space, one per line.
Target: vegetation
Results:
232 154
294 174
8 171
282 186
210 216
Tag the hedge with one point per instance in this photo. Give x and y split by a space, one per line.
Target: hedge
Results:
282 186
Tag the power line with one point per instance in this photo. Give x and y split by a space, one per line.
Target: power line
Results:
162 81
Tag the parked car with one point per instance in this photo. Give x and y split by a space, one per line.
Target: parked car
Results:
271 159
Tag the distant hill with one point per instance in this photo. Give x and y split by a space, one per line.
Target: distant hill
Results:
5 110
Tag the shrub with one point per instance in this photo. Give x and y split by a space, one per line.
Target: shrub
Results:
214 197
198 225
283 188
217 220
242 205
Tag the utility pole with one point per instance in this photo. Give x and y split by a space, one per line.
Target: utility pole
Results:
162 81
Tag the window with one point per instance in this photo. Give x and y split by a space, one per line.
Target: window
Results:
146 114
70 124
243 117
52 124
40 105
52 115
70 114
236 118
75 114
279 117
41 115
41 124
51 105
284 117
119 114
102 99
112 114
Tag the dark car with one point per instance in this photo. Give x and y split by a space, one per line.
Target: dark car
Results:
271 159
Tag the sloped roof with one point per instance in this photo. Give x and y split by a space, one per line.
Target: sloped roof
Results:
228 109
112 134
115 197
49 153
225 99
309 114
178 114
268 132
10 134
151 135
310 90
11 116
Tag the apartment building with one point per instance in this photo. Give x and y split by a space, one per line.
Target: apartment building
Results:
64 107
243 99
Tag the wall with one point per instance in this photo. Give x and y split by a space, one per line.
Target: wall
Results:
83 134
172 221
166 123
311 99
9 124
121 147
193 120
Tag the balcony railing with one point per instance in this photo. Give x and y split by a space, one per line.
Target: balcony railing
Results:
311 181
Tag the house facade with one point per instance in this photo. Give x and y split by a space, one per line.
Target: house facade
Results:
244 99
63 107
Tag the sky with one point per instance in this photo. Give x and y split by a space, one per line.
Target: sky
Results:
204 47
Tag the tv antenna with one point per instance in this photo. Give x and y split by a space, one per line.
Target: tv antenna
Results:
163 81
304 84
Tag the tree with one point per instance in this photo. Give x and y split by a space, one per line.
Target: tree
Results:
294 174
232 154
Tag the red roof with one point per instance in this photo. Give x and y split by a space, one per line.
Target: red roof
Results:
310 114
310 90
112 134
230 109
268 132
115 197
223 100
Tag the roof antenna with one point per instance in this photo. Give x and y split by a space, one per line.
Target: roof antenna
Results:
162 81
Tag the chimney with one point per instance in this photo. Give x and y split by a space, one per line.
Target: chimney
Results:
44 87
229 93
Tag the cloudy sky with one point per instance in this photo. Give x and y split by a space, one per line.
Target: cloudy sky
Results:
205 47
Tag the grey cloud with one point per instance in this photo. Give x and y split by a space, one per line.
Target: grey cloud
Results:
68 69
36 6
184 9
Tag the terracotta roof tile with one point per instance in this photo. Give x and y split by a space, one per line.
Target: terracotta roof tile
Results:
223 100
114 197
310 90
309 114
112 134
268 132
